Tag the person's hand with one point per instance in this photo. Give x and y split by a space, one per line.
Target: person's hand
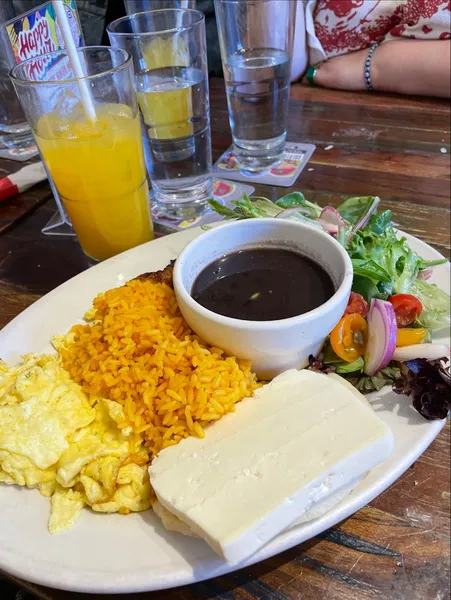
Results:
345 72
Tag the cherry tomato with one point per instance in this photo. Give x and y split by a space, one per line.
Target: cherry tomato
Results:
410 336
407 308
357 304
348 339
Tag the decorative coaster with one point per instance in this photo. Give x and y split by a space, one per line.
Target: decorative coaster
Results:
284 174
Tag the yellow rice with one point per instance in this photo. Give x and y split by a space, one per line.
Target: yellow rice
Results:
140 352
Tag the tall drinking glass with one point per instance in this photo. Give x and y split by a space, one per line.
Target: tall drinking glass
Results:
97 165
171 77
12 120
256 40
135 6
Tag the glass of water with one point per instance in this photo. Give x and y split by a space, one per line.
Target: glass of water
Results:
256 39
171 78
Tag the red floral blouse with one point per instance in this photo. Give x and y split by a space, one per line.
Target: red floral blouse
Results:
339 26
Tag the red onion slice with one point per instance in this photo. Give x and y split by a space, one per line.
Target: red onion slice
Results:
329 214
364 220
425 274
329 227
382 332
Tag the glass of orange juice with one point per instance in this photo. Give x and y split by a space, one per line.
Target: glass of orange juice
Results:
96 160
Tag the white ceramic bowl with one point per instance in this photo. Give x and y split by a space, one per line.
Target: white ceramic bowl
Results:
272 346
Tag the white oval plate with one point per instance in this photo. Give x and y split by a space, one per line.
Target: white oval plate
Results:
113 553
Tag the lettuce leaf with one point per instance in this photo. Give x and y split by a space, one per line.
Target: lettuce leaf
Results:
368 289
367 384
397 265
379 222
344 368
222 210
328 357
436 305
295 199
370 270
255 208
354 209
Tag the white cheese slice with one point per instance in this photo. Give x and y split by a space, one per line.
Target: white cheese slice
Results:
300 438
172 523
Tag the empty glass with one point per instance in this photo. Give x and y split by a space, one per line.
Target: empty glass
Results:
171 78
12 118
256 39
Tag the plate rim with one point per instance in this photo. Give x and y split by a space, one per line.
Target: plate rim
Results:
71 581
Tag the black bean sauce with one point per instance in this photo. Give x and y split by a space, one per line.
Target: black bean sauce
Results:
262 284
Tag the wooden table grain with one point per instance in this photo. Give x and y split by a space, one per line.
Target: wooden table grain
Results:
397 547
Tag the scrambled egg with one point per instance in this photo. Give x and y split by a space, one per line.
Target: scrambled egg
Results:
56 438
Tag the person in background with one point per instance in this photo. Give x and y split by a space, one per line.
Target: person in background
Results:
401 46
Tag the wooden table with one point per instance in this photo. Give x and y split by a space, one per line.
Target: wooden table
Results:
398 546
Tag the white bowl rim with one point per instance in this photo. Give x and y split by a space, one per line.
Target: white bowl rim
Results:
278 324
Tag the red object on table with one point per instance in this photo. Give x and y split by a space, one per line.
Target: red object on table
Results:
22 180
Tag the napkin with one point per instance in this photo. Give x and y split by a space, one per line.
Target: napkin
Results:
22 180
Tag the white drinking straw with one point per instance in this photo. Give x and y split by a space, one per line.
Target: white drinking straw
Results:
71 50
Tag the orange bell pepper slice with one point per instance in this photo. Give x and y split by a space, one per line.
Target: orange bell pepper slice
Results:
410 336
348 339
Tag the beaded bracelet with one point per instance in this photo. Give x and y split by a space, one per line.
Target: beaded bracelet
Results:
368 84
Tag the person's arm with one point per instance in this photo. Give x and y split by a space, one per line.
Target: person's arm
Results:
416 67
